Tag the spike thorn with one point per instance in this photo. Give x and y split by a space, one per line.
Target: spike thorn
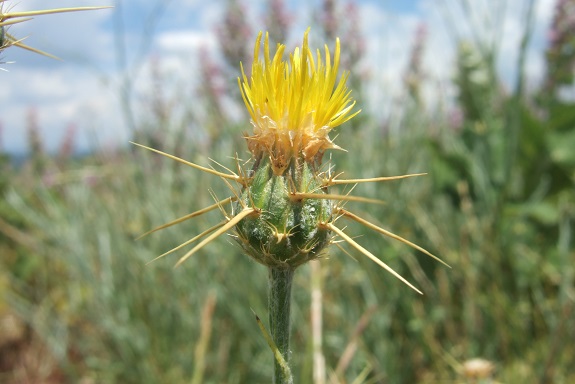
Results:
369 255
189 216
189 241
230 224
362 221
49 11
233 176
334 181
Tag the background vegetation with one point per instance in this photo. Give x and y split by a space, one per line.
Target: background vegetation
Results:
79 304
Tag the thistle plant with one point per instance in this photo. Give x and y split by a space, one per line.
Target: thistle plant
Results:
9 18
281 210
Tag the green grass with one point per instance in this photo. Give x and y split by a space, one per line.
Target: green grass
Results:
107 315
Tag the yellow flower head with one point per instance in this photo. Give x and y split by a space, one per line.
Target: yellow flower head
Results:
294 104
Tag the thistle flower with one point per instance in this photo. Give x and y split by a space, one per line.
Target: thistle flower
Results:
283 214
294 105
8 18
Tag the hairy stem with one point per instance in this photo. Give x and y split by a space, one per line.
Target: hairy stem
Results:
279 301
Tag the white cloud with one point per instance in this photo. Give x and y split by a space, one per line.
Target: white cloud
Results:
58 99
389 36
186 41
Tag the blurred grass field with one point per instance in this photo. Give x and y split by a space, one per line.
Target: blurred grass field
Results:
79 304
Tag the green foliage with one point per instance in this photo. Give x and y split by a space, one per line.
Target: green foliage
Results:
125 321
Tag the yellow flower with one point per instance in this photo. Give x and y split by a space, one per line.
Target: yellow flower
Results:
294 104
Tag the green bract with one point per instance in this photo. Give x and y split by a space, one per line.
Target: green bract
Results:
286 233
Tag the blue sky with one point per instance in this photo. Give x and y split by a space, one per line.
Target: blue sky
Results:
82 91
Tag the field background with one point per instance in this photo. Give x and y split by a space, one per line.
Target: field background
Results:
78 303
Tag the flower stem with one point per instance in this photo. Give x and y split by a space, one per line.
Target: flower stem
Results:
279 301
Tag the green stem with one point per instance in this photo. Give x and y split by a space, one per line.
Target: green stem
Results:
279 301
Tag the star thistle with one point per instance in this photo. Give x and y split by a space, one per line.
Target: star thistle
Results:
283 214
282 211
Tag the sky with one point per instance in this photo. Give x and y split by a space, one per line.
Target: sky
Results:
81 93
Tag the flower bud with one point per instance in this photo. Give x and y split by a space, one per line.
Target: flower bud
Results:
286 233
